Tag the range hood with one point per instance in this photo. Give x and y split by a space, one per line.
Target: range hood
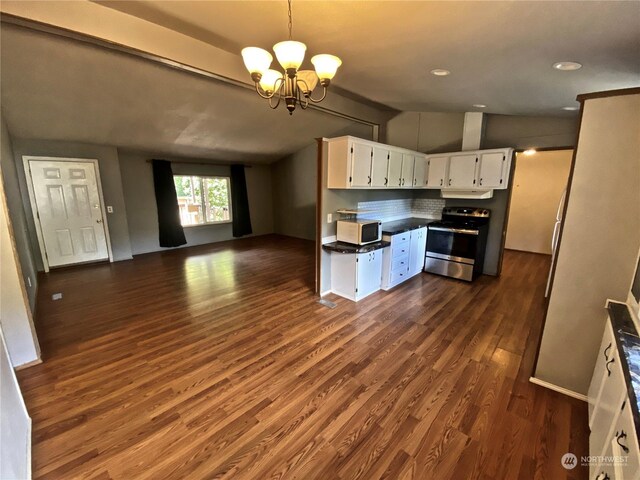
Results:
468 194
472 133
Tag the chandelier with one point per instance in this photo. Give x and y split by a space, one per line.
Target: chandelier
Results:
293 85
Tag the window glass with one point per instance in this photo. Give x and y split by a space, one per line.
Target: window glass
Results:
203 200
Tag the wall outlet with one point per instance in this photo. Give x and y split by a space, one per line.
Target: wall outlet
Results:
56 296
109 209
329 217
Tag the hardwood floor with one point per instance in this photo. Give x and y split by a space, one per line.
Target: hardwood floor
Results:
217 362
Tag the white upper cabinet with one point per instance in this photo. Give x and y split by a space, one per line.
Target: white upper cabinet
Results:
420 172
493 169
437 166
361 155
462 171
408 162
358 163
395 169
379 167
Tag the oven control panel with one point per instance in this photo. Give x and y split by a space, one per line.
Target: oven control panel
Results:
467 212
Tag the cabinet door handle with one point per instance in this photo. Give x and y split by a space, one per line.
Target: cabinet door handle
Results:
369 182
606 351
619 437
449 182
607 366
403 182
385 181
480 182
441 181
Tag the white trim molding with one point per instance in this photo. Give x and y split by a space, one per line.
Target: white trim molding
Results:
556 388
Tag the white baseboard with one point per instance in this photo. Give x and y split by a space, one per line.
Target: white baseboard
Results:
558 389
327 292
37 361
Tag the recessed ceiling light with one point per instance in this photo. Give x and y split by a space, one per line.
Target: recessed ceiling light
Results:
440 72
570 109
567 66
530 151
479 105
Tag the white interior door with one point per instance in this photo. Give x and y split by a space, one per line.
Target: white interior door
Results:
69 211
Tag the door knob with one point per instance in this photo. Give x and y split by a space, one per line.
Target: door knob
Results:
99 221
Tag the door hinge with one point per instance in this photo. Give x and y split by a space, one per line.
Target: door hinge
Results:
371 153
388 156
357 260
500 180
356 290
503 158
350 179
476 159
351 149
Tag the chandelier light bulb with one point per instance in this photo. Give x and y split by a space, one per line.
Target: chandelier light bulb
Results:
290 54
269 80
326 66
257 60
308 81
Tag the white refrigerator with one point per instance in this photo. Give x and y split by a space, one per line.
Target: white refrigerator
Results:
554 237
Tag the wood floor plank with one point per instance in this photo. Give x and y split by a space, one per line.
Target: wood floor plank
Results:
217 362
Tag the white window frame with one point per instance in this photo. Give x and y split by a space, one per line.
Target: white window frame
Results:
228 179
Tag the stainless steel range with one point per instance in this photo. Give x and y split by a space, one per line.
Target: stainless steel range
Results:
456 244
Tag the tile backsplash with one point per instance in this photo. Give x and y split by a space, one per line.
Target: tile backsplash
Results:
388 210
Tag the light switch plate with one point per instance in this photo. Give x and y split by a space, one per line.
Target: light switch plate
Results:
329 217
56 296
109 209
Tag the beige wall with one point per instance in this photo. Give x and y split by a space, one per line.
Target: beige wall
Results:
538 183
15 434
293 181
15 314
18 216
600 240
429 132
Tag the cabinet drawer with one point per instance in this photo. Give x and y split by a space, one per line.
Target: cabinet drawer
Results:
399 276
400 262
399 249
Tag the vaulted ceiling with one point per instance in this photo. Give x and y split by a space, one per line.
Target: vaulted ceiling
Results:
500 53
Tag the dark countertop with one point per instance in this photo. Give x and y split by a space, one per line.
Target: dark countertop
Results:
404 225
341 247
629 352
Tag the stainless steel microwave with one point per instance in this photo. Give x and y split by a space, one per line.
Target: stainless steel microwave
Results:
359 232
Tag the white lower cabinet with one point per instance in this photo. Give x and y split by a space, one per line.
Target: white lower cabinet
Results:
613 443
356 275
404 258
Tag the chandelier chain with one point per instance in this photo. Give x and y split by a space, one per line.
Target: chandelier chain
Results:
290 20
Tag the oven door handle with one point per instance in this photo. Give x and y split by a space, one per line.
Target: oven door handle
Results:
455 230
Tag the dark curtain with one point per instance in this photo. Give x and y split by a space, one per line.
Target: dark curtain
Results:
171 231
239 202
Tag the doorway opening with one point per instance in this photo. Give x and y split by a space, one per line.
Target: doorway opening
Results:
537 200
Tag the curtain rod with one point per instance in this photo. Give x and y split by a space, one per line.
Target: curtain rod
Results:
202 163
